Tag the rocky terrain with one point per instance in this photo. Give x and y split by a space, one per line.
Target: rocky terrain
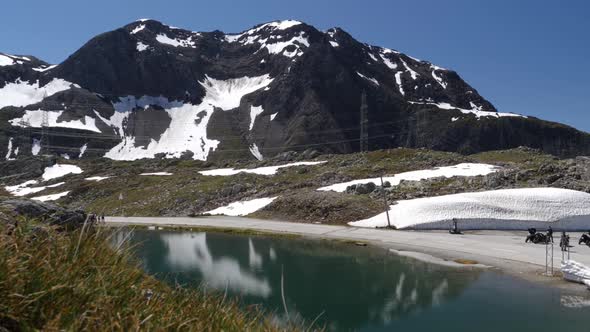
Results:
14 209
186 192
148 90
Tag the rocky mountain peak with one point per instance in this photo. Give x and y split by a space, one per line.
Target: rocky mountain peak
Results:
149 90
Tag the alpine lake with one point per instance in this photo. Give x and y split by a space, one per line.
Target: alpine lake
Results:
344 287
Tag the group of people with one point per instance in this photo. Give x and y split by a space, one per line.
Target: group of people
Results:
564 242
96 218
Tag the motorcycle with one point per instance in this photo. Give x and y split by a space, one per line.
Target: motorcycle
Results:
536 237
585 239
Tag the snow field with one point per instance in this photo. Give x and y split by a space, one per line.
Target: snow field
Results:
21 93
188 126
464 169
506 209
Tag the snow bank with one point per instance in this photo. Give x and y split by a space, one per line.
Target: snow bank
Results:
576 272
242 208
496 209
465 169
157 173
268 170
52 197
21 93
34 119
57 171
188 126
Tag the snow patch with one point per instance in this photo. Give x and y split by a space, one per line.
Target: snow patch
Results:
9 148
438 78
5 61
82 150
476 110
59 170
277 48
242 208
575 271
465 169
254 112
273 26
138 29
52 197
164 39
412 72
398 81
44 69
21 93
25 188
497 209
267 170
157 173
255 152
334 44
34 119
273 116
36 147
141 47
97 178
370 79
388 62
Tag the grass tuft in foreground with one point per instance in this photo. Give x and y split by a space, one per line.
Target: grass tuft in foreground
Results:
68 281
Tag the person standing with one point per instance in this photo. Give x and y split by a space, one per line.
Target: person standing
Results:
550 234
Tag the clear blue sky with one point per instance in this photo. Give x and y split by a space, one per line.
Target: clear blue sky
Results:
525 56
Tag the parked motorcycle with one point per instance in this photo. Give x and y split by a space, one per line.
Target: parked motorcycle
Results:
585 239
536 237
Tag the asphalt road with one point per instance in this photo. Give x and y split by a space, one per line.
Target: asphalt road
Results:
498 248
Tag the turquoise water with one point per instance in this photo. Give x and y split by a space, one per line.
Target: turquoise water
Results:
351 288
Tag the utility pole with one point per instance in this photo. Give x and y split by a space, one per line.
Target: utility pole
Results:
44 127
364 139
386 205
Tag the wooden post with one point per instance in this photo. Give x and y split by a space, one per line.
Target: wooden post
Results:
386 205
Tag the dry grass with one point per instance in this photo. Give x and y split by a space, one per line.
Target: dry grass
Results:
47 282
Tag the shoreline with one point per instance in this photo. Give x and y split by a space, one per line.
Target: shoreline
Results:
503 251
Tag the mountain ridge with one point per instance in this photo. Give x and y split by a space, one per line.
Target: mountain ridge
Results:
148 90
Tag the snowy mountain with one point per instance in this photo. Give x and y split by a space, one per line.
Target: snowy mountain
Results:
148 90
